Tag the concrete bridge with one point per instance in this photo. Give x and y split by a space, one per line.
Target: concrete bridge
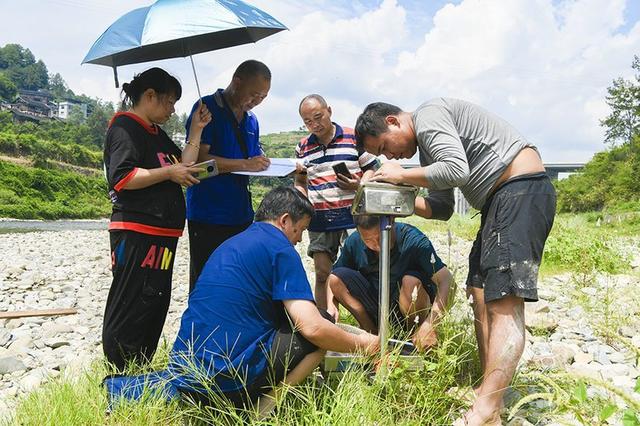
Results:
562 170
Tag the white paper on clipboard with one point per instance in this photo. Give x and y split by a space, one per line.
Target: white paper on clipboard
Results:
279 167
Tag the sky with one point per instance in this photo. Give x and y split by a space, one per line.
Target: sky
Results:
543 65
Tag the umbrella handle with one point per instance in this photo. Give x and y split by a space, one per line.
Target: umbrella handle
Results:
193 67
115 76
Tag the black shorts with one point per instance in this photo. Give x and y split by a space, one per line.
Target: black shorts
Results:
516 221
288 349
367 292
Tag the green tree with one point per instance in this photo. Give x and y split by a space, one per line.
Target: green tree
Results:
8 90
175 124
624 100
98 120
15 56
76 116
21 67
58 87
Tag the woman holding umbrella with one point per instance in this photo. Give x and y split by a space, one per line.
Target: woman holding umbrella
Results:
145 171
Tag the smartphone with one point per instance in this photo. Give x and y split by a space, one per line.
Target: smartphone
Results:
341 169
210 168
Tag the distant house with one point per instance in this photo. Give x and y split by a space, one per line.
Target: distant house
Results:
38 105
32 105
66 107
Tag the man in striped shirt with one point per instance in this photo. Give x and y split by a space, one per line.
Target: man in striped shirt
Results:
331 194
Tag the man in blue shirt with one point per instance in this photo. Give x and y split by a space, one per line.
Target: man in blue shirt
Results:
220 207
251 322
420 283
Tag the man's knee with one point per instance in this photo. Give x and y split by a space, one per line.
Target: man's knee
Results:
509 305
336 285
412 294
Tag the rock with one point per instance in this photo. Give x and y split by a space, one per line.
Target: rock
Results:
537 322
10 365
541 306
56 343
627 331
583 357
14 323
617 357
635 341
591 370
557 336
576 313
11 392
614 370
601 357
5 337
623 382
556 355
590 291
22 344
519 421
31 381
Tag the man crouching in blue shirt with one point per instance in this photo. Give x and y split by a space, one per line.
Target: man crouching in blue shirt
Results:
252 322
420 284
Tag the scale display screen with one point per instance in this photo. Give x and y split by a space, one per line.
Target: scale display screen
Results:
378 198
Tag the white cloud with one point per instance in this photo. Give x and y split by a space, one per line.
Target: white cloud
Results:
544 65
544 68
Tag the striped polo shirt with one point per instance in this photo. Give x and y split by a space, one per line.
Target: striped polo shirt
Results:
332 205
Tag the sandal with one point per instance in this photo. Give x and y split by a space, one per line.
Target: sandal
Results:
494 420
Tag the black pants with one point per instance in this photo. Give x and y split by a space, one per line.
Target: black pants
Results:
204 239
367 291
139 296
288 349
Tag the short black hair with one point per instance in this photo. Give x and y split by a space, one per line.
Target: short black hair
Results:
155 78
372 121
366 221
281 200
315 97
252 68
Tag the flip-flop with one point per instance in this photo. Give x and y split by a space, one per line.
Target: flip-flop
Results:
495 420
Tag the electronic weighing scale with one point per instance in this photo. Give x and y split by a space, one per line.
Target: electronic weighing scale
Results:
386 201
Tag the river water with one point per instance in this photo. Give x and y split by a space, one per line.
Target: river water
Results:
12 225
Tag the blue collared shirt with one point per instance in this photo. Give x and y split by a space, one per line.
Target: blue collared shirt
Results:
236 308
224 199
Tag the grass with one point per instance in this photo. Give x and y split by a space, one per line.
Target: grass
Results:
35 193
405 397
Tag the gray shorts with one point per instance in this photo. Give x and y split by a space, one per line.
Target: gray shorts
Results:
327 242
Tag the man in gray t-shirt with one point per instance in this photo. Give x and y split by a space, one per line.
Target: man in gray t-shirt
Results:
502 175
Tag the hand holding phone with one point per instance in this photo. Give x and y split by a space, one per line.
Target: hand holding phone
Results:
342 169
209 169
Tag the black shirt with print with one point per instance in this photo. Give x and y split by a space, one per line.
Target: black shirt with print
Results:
132 144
